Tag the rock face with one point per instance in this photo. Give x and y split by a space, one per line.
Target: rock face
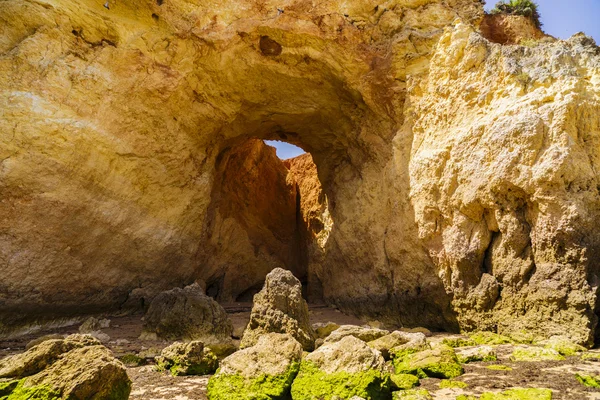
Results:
460 175
280 308
263 371
511 29
344 369
187 314
74 368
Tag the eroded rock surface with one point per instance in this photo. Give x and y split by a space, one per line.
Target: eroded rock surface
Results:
188 314
280 308
460 175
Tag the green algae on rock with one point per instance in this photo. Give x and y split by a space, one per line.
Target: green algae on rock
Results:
398 342
404 381
420 394
588 380
490 338
522 353
563 345
590 356
439 362
450 384
312 383
132 360
187 359
343 369
264 371
15 390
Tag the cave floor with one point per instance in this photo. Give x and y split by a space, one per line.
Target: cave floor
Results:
559 376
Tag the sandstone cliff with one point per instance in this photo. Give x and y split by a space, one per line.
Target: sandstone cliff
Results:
460 174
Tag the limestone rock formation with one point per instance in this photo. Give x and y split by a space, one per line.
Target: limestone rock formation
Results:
74 368
398 341
344 369
461 175
187 314
280 308
263 371
439 362
511 29
191 358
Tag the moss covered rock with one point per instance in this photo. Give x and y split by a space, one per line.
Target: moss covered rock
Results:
415 394
187 359
523 353
132 360
588 380
264 371
519 394
344 369
399 341
590 356
490 338
403 381
480 353
90 372
42 355
439 362
563 345
15 390
499 368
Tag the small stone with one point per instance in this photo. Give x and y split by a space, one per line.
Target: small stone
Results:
419 329
404 381
132 360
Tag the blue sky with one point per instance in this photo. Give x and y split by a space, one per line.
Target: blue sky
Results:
561 19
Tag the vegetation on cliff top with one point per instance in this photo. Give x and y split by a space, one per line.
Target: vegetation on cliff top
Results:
527 8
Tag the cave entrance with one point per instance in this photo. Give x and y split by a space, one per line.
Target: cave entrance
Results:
266 212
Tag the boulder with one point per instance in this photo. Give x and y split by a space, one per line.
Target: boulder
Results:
280 308
399 341
344 369
404 381
187 359
41 339
187 314
40 356
85 372
439 362
264 371
360 332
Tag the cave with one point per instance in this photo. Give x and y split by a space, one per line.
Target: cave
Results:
265 213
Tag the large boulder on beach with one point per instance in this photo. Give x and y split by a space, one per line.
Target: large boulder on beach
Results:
264 371
187 314
280 308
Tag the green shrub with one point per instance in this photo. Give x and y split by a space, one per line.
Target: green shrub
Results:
526 8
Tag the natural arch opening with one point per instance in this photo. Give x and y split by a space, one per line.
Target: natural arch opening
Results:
265 213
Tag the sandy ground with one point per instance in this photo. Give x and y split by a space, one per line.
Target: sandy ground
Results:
559 376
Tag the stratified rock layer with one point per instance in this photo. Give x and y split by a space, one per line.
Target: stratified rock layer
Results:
460 175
